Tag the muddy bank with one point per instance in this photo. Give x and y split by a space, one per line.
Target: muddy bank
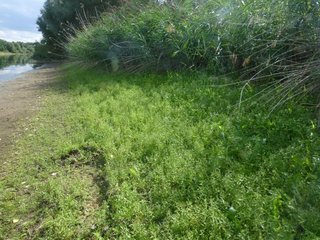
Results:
19 99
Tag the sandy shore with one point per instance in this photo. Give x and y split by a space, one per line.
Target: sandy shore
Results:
19 99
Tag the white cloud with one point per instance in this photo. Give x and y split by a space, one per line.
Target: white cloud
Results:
21 36
18 20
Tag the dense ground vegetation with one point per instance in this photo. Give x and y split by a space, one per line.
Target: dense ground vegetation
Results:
142 155
16 47
162 157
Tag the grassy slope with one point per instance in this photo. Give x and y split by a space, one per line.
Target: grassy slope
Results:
164 157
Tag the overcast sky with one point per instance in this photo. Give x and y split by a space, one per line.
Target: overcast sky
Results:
18 20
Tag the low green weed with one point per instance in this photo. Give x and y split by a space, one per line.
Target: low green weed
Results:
177 160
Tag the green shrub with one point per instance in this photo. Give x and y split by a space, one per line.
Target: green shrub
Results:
257 39
210 35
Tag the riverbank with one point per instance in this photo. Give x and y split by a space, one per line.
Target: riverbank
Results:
161 157
19 100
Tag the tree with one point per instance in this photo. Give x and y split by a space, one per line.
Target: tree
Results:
59 18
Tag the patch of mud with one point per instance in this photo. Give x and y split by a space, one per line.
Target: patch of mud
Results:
91 160
84 166
19 99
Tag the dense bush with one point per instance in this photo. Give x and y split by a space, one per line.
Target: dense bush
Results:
259 39
208 35
43 52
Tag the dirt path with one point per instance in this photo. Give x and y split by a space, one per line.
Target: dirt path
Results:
19 98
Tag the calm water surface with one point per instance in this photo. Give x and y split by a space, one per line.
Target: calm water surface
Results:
14 65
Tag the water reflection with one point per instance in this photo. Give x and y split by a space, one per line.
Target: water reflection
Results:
14 60
13 65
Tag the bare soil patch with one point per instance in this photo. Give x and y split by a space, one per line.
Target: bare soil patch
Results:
19 99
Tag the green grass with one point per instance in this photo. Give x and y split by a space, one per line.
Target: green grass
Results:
161 157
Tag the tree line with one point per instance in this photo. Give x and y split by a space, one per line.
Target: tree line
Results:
16 47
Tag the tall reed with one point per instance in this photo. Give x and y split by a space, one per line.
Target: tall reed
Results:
263 41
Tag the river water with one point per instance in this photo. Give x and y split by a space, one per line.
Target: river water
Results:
14 65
